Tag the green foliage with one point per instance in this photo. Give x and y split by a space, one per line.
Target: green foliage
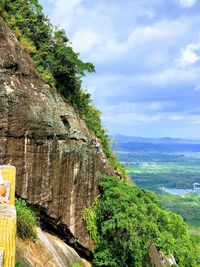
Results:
128 219
26 221
75 265
92 117
48 45
28 45
89 216
93 120
54 58
162 169
188 206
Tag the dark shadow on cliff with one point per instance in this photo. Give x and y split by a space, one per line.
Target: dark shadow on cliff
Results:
56 227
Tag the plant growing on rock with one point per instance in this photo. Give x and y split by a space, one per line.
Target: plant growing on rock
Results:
56 61
26 221
75 265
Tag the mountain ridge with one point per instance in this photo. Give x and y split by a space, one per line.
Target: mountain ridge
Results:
119 138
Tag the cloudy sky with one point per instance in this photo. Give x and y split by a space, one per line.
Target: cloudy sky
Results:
147 58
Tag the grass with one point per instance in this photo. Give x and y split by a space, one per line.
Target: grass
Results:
26 221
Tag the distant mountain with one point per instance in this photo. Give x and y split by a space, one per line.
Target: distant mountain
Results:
118 138
161 148
161 145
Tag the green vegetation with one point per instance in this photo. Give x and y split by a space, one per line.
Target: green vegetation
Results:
167 174
26 221
155 170
127 219
49 47
195 235
188 206
90 218
75 265
56 61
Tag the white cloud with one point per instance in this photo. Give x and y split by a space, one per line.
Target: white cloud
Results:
142 38
85 39
134 46
187 3
197 88
176 117
135 86
64 10
125 118
196 122
195 119
170 76
190 55
94 33
155 106
146 108
134 117
130 118
149 14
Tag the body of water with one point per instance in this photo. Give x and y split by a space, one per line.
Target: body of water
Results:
179 192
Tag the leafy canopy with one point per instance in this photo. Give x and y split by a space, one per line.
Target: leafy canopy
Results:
55 59
126 220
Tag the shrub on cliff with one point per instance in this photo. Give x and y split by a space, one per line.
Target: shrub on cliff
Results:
127 219
26 221
49 47
56 60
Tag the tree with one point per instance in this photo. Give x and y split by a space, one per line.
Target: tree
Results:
128 219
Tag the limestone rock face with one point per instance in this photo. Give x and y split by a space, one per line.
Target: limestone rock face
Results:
41 134
48 251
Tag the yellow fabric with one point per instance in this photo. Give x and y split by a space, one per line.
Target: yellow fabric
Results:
9 174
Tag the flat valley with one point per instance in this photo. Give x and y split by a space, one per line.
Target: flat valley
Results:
169 167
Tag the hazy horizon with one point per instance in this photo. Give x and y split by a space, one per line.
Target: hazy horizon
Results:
153 137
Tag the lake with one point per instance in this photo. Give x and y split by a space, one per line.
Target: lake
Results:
179 192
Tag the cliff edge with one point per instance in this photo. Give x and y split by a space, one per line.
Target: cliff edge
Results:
58 168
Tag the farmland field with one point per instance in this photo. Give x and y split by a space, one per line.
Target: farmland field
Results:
153 171
156 170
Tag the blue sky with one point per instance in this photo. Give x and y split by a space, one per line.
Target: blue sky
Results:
147 59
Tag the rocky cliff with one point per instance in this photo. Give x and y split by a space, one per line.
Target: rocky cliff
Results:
41 134
48 251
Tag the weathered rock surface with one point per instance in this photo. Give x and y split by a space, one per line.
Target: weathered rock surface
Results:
160 260
48 251
40 133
